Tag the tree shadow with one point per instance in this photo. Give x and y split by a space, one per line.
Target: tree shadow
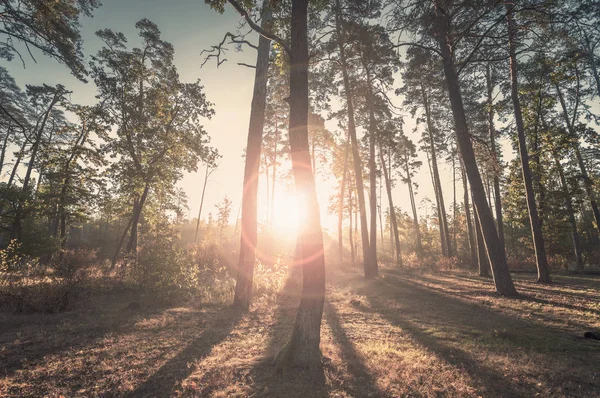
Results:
439 322
299 383
163 382
472 293
73 330
362 383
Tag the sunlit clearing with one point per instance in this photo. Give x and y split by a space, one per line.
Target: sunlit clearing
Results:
289 211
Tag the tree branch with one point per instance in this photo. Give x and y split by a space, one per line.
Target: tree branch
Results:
257 28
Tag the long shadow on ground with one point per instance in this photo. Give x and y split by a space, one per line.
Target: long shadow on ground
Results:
452 328
299 383
24 345
164 381
362 381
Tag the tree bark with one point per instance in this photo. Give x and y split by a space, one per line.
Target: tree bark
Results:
587 181
482 260
120 243
245 275
536 228
302 350
372 270
570 213
135 219
4 145
497 193
472 241
341 204
502 279
411 194
353 138
350 236
439 196
206 174
388 188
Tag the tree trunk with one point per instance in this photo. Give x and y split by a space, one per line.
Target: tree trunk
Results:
570 213
497 193
352 131
135 219
16 228
587 181
388 188
350 236
445 235
437 206
472 241
245 275
536 228
372 270
274 176
482 260
120 243
4 145
302 350
502 279
206 174
341 204
419 245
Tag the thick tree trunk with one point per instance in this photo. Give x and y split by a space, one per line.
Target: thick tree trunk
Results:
536 228
302 350
497 193
341 204
482 260
354 140
494 249
388 188
135 219
439 196
245 275
120 242
472 241
570 213
587 181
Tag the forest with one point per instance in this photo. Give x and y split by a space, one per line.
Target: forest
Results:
299 198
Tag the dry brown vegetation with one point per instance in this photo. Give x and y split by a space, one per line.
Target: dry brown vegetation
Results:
404 334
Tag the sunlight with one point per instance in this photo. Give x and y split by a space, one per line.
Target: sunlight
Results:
289 211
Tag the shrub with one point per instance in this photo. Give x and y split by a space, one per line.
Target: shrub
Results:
28 286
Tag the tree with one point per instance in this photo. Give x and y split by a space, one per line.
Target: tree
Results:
302 349
223 212
50 26
407 167
438 30
156 116
211 166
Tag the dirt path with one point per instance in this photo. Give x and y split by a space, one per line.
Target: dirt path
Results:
405 334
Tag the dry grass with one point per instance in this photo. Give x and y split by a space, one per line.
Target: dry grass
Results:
404 334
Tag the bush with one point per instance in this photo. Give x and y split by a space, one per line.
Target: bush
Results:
170 271
28 286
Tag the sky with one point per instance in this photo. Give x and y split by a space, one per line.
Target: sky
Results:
192 26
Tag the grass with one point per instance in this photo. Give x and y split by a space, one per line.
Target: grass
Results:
404 334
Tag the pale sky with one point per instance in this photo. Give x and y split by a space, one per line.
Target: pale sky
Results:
192 26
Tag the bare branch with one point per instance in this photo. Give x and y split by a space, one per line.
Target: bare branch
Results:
257 28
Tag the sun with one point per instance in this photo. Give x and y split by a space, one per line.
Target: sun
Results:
288 212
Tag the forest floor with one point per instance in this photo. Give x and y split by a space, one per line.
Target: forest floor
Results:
404 334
